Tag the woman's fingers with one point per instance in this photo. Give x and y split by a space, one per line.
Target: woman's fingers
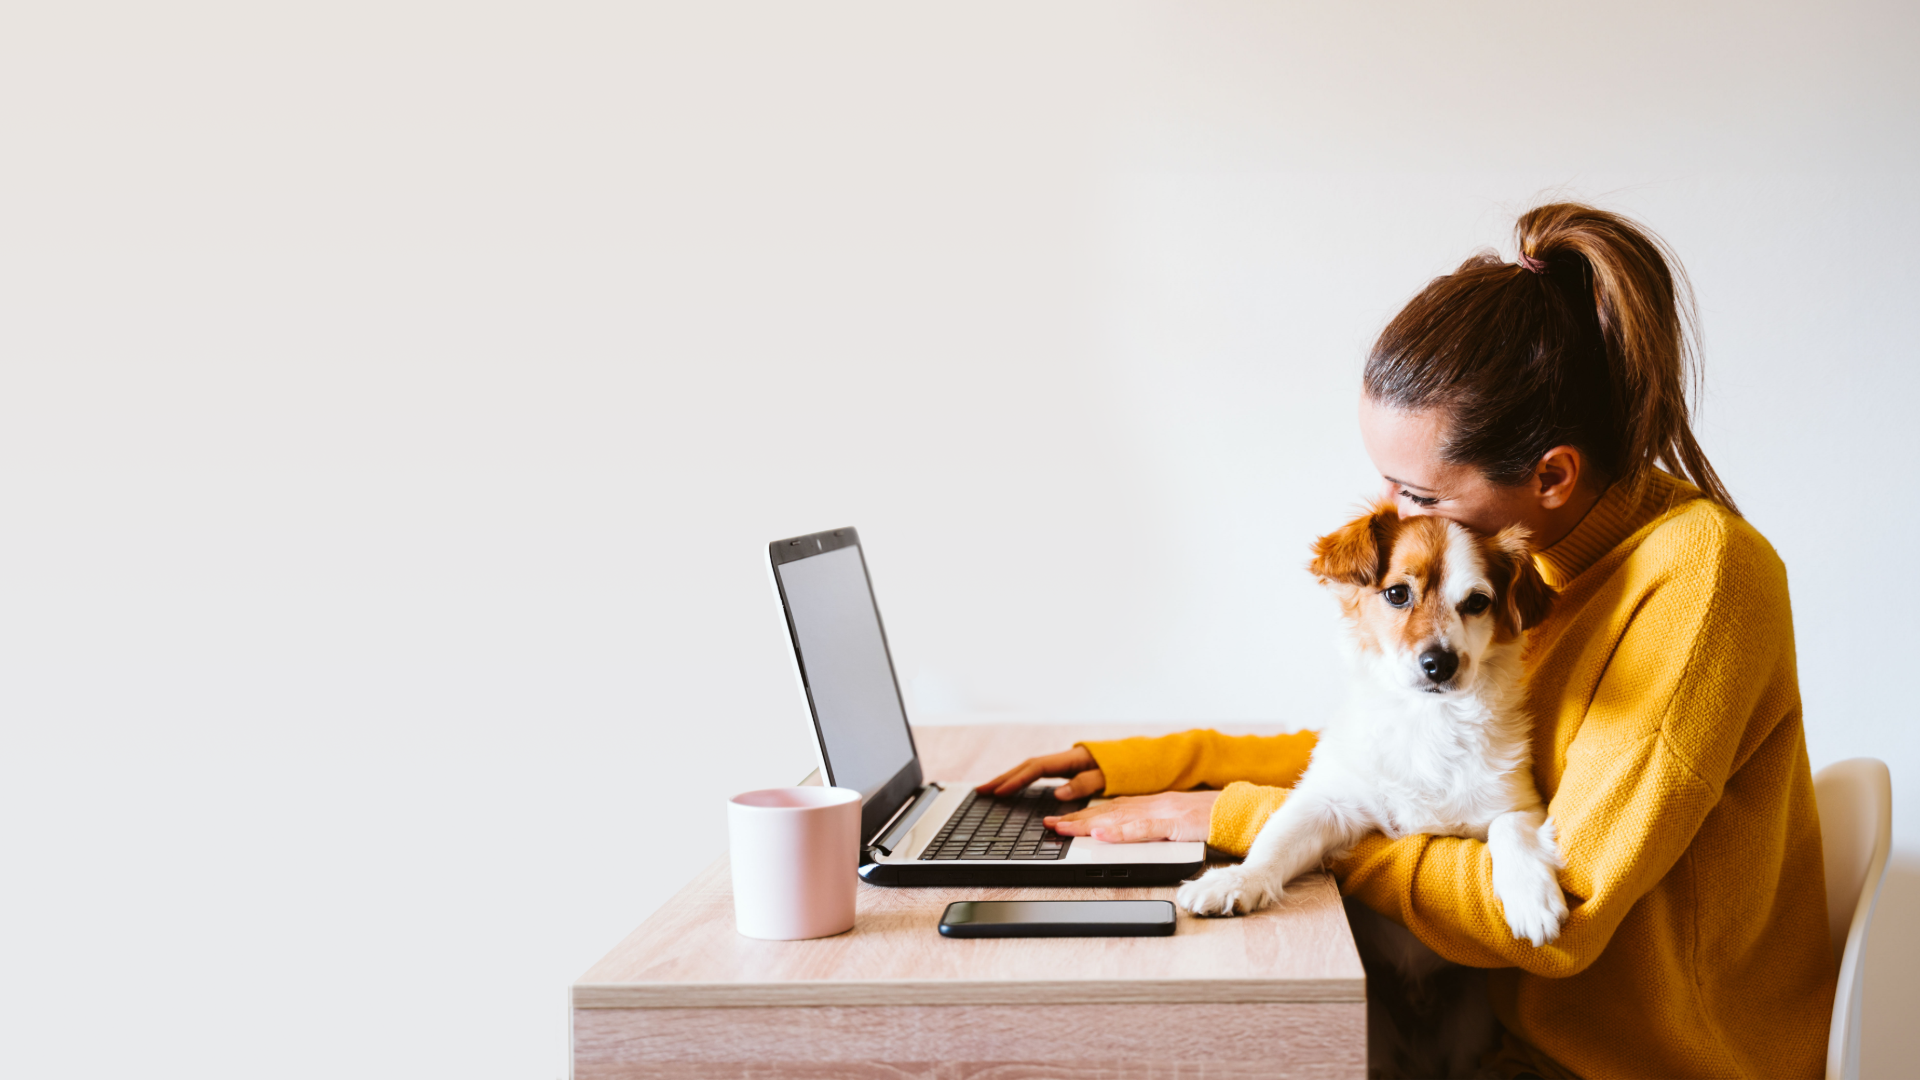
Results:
1018 777
1113 824
1087 784
1070 828
1175 815
1065 763
1091 812
1133 829
1014 779
1082 822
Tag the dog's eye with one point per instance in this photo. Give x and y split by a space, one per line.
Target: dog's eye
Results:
1398 595
1476 604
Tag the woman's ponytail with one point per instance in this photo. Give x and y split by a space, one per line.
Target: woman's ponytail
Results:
1585 340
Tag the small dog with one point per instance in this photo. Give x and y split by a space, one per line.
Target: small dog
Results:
1435 740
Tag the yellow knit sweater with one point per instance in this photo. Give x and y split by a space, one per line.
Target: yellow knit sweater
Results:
1669 748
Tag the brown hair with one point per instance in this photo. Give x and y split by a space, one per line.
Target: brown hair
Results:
1587 341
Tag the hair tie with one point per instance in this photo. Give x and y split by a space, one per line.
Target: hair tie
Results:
1528 262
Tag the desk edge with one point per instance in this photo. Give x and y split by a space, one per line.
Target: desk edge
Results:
921 992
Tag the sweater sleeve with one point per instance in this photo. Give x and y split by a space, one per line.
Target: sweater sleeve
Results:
1665 728
1202 758
1238 814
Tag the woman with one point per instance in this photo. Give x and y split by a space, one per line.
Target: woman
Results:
1550 393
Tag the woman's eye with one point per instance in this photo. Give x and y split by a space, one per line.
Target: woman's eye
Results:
1417 500
1476 604
1398 595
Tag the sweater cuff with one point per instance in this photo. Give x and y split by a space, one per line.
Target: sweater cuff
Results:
1238 814
1127 774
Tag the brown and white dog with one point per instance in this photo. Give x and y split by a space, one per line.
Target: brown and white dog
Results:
1435 739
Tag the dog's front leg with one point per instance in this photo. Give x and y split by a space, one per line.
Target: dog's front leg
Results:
1526 874
1294 840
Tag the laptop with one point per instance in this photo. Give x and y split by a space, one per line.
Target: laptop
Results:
916 832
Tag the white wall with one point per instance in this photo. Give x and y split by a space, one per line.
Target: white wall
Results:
395 399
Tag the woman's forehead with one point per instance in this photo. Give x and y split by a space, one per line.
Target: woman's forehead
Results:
1404 446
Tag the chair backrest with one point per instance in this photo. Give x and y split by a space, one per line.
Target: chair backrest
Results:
1855 798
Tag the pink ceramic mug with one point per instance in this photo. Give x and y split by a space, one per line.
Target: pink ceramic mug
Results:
795 852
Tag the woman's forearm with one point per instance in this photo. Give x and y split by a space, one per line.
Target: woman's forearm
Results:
1201 758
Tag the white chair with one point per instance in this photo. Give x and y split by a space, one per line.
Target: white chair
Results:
1856 826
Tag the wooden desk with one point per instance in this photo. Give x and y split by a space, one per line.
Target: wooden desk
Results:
1276 994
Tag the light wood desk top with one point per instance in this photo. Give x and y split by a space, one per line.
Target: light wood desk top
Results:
689 956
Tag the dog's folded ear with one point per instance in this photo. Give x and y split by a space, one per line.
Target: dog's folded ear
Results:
1528 598
1356 553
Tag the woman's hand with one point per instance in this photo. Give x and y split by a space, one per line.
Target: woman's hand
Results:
1171 815
1087 779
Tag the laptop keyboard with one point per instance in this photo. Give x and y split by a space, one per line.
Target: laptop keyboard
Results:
1004 827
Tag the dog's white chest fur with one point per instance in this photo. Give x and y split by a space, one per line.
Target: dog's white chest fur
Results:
1447 766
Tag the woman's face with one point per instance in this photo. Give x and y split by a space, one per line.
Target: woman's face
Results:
1405 448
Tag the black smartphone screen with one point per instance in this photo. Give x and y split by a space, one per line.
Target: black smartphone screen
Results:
1057 918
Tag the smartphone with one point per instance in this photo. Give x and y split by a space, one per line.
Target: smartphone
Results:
1057 918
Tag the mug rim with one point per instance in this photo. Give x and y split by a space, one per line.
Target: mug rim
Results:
835 796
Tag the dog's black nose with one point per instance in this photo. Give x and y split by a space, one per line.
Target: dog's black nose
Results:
1439 664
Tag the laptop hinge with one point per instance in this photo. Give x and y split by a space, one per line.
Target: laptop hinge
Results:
903 819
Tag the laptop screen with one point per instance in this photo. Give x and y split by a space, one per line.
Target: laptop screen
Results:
844 662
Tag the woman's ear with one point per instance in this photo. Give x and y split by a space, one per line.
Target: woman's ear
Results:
1355 553
1528 598
1557 475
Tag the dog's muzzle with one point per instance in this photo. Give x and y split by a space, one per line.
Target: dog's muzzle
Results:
1438 665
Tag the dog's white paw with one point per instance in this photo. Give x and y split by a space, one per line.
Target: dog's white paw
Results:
1536 918
1227 890
1528 884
